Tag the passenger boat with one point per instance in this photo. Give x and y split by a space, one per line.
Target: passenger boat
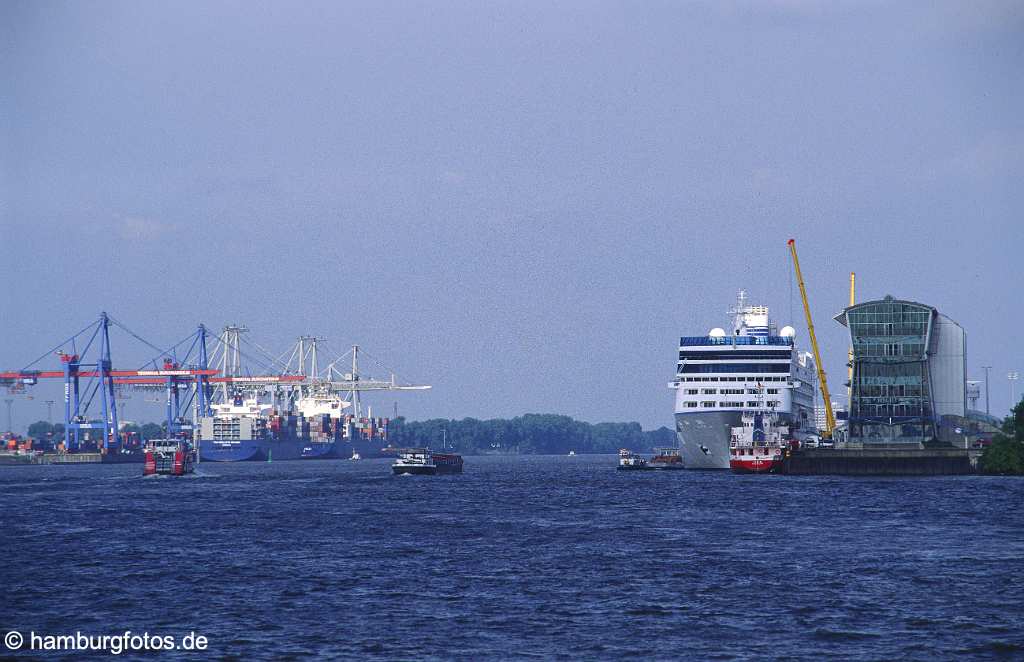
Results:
423 461
168 457
666 458
630 461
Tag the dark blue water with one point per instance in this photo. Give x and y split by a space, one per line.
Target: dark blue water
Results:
542 557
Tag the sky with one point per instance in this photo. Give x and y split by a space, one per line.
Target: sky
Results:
523 204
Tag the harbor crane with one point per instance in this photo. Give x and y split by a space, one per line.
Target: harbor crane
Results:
830 420
190 374
340 377
849 354
103 379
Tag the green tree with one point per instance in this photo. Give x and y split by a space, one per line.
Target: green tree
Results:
39 429
1005 455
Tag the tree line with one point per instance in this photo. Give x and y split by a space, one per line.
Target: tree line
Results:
542 434
528 434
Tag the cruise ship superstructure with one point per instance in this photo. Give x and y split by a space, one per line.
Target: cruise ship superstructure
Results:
720 375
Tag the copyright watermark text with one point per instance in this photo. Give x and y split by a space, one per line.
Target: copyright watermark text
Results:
113 644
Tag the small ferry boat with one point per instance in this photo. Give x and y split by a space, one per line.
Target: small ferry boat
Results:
759 443
666 458
168 457
423 461
630 461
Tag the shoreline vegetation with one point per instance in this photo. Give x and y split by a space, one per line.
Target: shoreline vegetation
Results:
1005 455
529 434
556 434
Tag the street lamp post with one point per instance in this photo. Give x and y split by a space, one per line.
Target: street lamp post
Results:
986 368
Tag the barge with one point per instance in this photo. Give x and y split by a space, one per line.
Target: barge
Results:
423 461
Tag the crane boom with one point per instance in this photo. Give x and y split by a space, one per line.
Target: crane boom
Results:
830 420
849 354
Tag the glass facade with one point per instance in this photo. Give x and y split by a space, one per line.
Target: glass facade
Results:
891 399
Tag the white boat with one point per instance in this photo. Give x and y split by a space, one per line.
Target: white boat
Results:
630 461
719 376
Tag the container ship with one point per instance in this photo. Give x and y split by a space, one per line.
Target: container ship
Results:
720 375
317 427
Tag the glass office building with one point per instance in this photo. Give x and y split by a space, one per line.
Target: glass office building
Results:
908 371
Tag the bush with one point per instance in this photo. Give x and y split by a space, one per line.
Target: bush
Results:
1004 456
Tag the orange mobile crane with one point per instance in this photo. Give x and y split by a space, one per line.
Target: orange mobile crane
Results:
830 419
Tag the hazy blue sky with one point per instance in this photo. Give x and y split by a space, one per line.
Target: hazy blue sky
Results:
524 204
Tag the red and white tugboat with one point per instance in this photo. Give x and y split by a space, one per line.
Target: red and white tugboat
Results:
423 461
758 445
168 457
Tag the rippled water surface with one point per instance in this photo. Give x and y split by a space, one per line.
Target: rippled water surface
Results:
537 557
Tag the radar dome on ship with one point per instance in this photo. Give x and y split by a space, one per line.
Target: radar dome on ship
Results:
788 332
717 332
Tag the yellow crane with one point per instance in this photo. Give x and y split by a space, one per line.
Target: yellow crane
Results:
830 419
849 354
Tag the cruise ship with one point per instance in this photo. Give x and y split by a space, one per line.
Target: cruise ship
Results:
721 375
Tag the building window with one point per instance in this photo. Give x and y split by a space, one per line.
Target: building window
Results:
709 391
691 404
708 404
692 391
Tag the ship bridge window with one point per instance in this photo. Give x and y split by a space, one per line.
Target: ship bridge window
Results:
690 404
708 404
709 391
773 391
692 391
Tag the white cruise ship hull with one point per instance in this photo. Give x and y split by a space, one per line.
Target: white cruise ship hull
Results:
704 438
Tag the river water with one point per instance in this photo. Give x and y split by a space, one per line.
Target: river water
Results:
525 557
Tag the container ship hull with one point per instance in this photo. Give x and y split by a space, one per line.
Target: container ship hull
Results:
255 450
261 450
